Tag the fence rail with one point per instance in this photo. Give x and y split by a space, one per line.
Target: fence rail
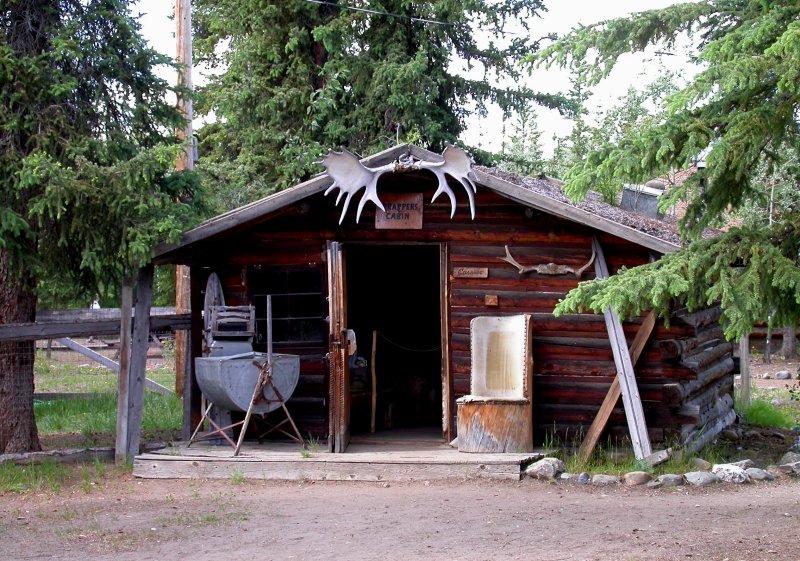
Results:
78 323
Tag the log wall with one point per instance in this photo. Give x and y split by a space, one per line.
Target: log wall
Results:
573 363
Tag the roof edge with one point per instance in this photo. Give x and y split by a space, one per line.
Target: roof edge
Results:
572 213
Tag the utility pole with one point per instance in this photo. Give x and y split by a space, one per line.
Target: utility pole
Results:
183 22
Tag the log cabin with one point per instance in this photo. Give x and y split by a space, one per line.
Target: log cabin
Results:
407 281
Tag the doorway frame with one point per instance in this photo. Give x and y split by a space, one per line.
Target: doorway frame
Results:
339 355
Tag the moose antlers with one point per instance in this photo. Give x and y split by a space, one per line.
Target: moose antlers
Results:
350 176
548 268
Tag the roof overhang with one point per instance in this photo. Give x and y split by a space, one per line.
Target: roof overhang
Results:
255 211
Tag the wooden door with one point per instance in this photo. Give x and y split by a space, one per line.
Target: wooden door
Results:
339 403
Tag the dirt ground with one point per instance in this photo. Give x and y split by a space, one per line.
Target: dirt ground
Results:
127 519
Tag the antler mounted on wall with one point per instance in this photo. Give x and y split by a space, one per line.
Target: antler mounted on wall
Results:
547 268
350 176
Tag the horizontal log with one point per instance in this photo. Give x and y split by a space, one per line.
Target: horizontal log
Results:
676 348
85 327
696 438
702 359
675 394
699 318
580 390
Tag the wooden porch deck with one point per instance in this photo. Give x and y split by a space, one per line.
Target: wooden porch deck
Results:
369 459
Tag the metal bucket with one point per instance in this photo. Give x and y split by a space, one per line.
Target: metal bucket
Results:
228 381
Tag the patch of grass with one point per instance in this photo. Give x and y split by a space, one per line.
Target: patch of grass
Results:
97 415
236 477
763 414
53 376
47 476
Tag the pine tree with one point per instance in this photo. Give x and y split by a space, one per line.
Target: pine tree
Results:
86 176
744 105
524 154
292 79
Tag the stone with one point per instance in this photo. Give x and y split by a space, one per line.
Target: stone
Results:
729 434
778 435
767 376
633 478
603 480
583 478
744 464
795 466
546 468
790 458
776 402
730 473
701 465
780 470
753 434
700 478
566 476
783 375
670 480
758 474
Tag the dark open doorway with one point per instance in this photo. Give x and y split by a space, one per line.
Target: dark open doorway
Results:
393 297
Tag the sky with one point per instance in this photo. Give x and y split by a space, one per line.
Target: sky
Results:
487 132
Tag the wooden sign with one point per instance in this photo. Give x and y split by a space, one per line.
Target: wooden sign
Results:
403 212
471 272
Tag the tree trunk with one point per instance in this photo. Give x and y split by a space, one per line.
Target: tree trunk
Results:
789 348
17 305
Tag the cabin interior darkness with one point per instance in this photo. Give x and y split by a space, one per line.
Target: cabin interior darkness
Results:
394 290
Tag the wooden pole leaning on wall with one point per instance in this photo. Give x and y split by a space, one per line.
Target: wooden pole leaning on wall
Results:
634 413
126 314
614 392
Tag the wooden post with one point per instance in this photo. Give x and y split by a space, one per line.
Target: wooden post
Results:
622 359
744 370
138 366
121 444
183 33
610 401
374 381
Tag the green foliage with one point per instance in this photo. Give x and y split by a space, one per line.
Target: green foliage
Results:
97 415
764 414
293 79
524 155
754 276
47 476
743 108
87 167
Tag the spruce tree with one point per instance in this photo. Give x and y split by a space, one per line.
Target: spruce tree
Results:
743 106
294 78
86 176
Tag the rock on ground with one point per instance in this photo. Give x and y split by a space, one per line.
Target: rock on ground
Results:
546 468
637 478
758 474
730 473
700 478
602 480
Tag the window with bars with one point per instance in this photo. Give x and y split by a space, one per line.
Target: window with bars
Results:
298 305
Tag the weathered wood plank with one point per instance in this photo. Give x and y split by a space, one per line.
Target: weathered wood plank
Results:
140 340
66 325
123 379
627 379
599 423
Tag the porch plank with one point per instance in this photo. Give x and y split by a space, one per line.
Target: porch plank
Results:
288 464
